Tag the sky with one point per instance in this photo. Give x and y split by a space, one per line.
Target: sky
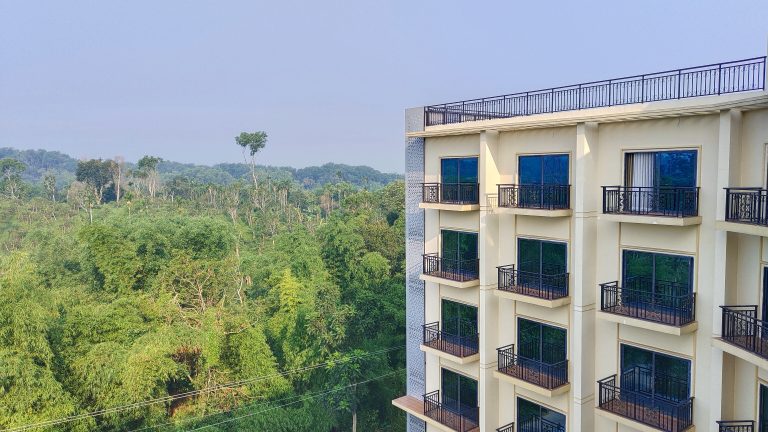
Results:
327 80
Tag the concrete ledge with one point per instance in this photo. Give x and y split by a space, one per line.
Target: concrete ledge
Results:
740 353
532 387
649 325
450 207
458 360
415 407
742 228
456 284
651 220
635 425
534 212
533 300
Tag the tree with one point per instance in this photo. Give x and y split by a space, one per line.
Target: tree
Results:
97 174
117 169
146 170
11 170
49 183
252 142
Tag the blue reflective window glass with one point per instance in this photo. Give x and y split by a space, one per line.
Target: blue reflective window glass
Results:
543 169
530 170
676 168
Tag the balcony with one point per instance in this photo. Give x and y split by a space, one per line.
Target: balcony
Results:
543 378
668 310
538 424
548 200
736 426
715 79
461 273
440 415
678 206
450 196
632 403
535 288
744 335
459 349
506 428
746 211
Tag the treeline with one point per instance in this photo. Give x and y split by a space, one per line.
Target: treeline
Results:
125 286
39 163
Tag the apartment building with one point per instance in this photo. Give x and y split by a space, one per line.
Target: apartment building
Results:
591 257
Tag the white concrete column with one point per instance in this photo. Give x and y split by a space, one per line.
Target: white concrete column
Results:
488 312
585 194
728 155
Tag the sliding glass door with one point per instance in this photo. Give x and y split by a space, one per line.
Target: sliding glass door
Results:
538 262
654 374
459 393
532 417
458 319
660 182
458 177
459 253
656 278
541 342
543 181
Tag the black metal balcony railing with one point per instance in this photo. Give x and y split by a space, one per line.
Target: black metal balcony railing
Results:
455 345
746 205
450 193
535 423
736 426
741 327
456 417
459 270
543 286
671 303
506 428
651 201
634 400
535 196
542 374
714 79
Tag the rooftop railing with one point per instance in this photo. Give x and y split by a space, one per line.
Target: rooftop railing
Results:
713 79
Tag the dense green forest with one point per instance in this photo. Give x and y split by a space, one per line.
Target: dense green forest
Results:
140 297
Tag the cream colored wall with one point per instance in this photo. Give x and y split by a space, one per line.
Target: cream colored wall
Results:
450 146
538 141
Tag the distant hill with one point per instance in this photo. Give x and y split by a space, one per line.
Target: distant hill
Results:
39 162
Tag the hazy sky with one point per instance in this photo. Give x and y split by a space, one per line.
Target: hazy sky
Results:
328 80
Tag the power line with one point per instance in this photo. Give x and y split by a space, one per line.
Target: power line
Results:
310 396
163 399
306 397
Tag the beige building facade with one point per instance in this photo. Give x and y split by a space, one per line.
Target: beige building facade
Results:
591 257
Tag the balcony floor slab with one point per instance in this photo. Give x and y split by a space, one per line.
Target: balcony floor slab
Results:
415 407
634 424
535 212
517 382
450 207
449 282
562 301
742 228
739 352
648 325
651 220
456 359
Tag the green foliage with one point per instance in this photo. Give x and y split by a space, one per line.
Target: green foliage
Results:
159 297
97 174
253 141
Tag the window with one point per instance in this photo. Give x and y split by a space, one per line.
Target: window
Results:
661 169
543 170
540 342
532 417
543 182
541 257
658 274
764 303
459 393
655 374
458 177
459 245
458 319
